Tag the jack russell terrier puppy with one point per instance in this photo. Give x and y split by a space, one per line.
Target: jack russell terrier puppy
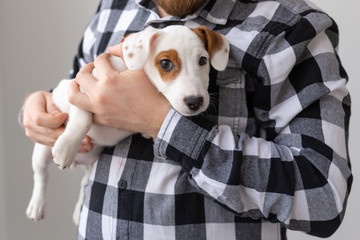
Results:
177 61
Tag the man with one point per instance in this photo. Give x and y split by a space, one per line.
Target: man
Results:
270 154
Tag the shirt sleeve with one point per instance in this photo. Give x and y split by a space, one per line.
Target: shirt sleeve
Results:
297 171
86 51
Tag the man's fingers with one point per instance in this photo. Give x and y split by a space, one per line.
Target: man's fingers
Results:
44 135
116 50
86 80
105 70
51 135
54 118
38 114
51 120
86 145
78 98
51 108
87 69
84 77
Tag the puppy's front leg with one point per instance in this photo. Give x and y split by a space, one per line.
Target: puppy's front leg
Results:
40 162
68 144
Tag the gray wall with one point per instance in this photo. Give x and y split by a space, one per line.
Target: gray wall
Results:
2 173
37 42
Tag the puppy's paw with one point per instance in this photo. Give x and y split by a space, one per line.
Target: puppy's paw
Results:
36 209
64 152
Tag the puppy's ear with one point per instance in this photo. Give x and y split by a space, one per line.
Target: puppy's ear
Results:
136 47
216 45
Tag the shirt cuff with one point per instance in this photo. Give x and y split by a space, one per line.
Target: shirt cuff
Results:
181 138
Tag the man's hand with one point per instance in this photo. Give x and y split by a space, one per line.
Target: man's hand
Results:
43 121
124 100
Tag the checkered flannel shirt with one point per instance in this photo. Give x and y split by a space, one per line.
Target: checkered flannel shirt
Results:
269 154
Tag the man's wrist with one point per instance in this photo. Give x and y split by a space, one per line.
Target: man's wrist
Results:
158 120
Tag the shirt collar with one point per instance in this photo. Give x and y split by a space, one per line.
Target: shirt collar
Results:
214 11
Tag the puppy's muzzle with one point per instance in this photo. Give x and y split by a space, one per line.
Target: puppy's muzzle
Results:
194 103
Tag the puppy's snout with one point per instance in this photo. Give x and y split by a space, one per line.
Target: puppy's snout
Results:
194 103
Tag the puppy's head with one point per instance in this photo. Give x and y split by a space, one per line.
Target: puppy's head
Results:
177 60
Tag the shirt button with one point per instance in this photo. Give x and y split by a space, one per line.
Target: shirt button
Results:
122 184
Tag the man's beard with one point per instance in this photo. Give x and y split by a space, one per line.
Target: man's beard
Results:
179 7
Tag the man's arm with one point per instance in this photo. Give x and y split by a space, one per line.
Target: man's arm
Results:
297 171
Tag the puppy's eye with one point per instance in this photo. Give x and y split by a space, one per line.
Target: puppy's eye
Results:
166 65
202 61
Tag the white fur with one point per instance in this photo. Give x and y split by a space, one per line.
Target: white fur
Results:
192 80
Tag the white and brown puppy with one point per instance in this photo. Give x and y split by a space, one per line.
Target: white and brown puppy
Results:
177 61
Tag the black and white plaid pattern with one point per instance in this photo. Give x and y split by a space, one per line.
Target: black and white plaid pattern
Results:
269 154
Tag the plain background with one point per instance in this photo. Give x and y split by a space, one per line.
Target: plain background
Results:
38 40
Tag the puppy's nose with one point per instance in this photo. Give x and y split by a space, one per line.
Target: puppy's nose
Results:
194 102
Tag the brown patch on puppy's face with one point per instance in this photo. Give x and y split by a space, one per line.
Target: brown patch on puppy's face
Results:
168 64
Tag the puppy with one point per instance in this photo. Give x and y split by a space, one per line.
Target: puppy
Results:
177 61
